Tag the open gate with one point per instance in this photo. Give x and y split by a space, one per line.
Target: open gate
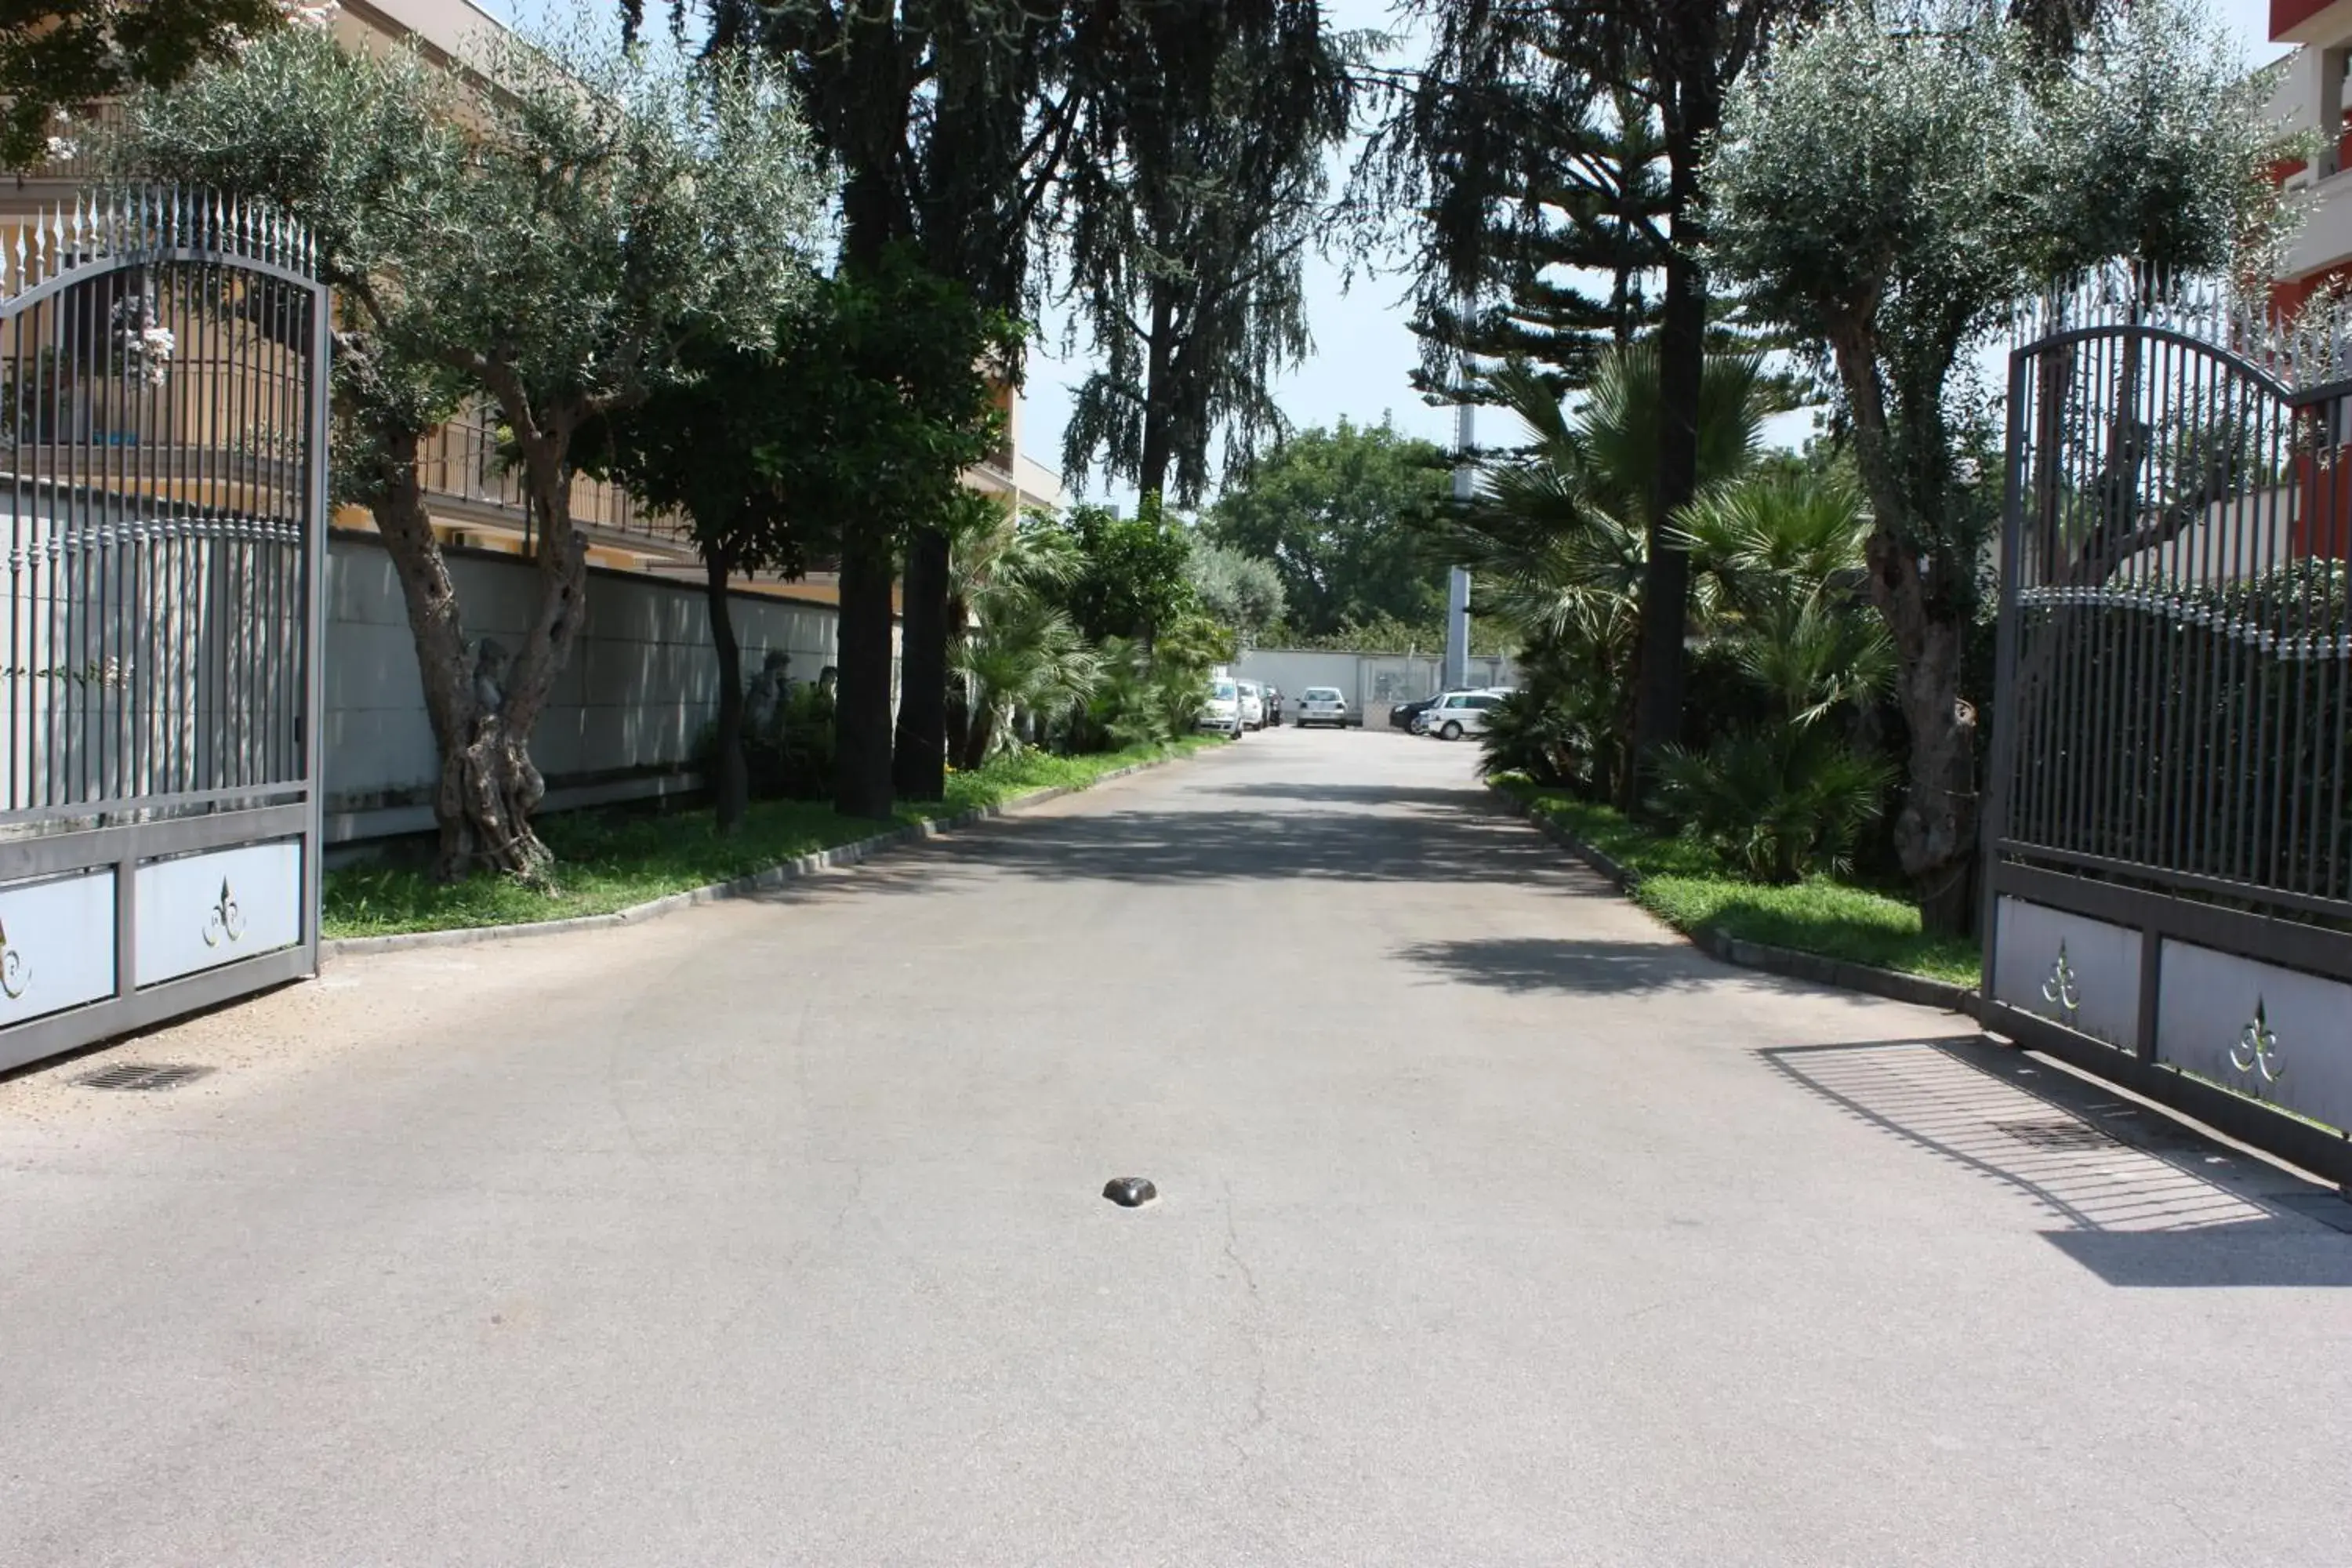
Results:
2169 822
163 359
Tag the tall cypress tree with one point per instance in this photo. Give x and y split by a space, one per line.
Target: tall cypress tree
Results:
1187 226
950 124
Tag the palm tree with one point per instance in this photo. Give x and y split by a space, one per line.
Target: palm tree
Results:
1558 542
1783 794
1011 649
1780 560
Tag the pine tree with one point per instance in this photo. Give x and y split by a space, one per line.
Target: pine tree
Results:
1575 259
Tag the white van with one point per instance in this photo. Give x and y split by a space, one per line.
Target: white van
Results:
1223 711
1253 701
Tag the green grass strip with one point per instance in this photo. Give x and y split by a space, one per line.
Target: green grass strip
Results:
1685 885
608 861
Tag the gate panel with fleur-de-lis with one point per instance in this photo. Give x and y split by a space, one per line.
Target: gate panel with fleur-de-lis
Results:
2168 822
162 415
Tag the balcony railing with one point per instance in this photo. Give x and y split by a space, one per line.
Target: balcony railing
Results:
464 461
76 146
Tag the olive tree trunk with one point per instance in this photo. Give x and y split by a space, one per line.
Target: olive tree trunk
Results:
1936 827
482 700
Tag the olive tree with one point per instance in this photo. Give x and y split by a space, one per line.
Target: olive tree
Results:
1906 173
595 213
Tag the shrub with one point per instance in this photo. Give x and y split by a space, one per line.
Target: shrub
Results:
1136 702
1776 803
1537 732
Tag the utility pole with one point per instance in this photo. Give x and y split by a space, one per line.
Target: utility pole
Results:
1457 581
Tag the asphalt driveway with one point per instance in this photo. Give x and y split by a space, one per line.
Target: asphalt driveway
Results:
1497 1227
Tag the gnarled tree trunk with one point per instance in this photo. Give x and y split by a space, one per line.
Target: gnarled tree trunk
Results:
1935 828
482 700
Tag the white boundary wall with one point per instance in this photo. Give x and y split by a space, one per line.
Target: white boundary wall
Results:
1370 681
642 681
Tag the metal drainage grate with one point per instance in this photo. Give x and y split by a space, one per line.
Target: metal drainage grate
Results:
148 1076
2056 1135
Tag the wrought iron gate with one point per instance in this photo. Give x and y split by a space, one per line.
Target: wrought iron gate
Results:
162 404
2168 825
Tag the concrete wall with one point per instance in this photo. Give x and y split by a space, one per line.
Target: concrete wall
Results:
641 683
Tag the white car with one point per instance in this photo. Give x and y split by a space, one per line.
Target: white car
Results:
1457 713
1223 711
1253 701
1323 705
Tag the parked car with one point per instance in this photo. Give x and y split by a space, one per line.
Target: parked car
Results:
1456 714
1324 705
1274 706
1223 711
1402 714
1253 700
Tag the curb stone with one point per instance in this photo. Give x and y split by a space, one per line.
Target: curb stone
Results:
1892 985
850 854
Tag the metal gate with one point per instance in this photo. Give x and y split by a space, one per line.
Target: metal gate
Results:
2169 822
163 406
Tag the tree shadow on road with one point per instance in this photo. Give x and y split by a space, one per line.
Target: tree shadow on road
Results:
1535 965
2141 1200
1469 798
1154 847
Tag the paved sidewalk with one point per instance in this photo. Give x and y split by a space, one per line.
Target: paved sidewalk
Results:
1498 1227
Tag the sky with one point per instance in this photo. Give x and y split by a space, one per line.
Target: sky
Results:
1365 351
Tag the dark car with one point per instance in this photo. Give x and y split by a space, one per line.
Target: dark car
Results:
1402 714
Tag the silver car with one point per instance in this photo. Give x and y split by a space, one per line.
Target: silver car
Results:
1324 705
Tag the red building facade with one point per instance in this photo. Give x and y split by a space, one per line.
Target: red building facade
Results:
2319 259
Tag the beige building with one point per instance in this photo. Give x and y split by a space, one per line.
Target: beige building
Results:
476 502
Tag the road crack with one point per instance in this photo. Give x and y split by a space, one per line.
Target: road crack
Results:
1252 1335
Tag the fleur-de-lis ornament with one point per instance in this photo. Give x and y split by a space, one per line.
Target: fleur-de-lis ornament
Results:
2063 990
2257 1047
15 974
224 922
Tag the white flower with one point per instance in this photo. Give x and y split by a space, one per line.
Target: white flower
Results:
62 148
1967 471
151 354
315 15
